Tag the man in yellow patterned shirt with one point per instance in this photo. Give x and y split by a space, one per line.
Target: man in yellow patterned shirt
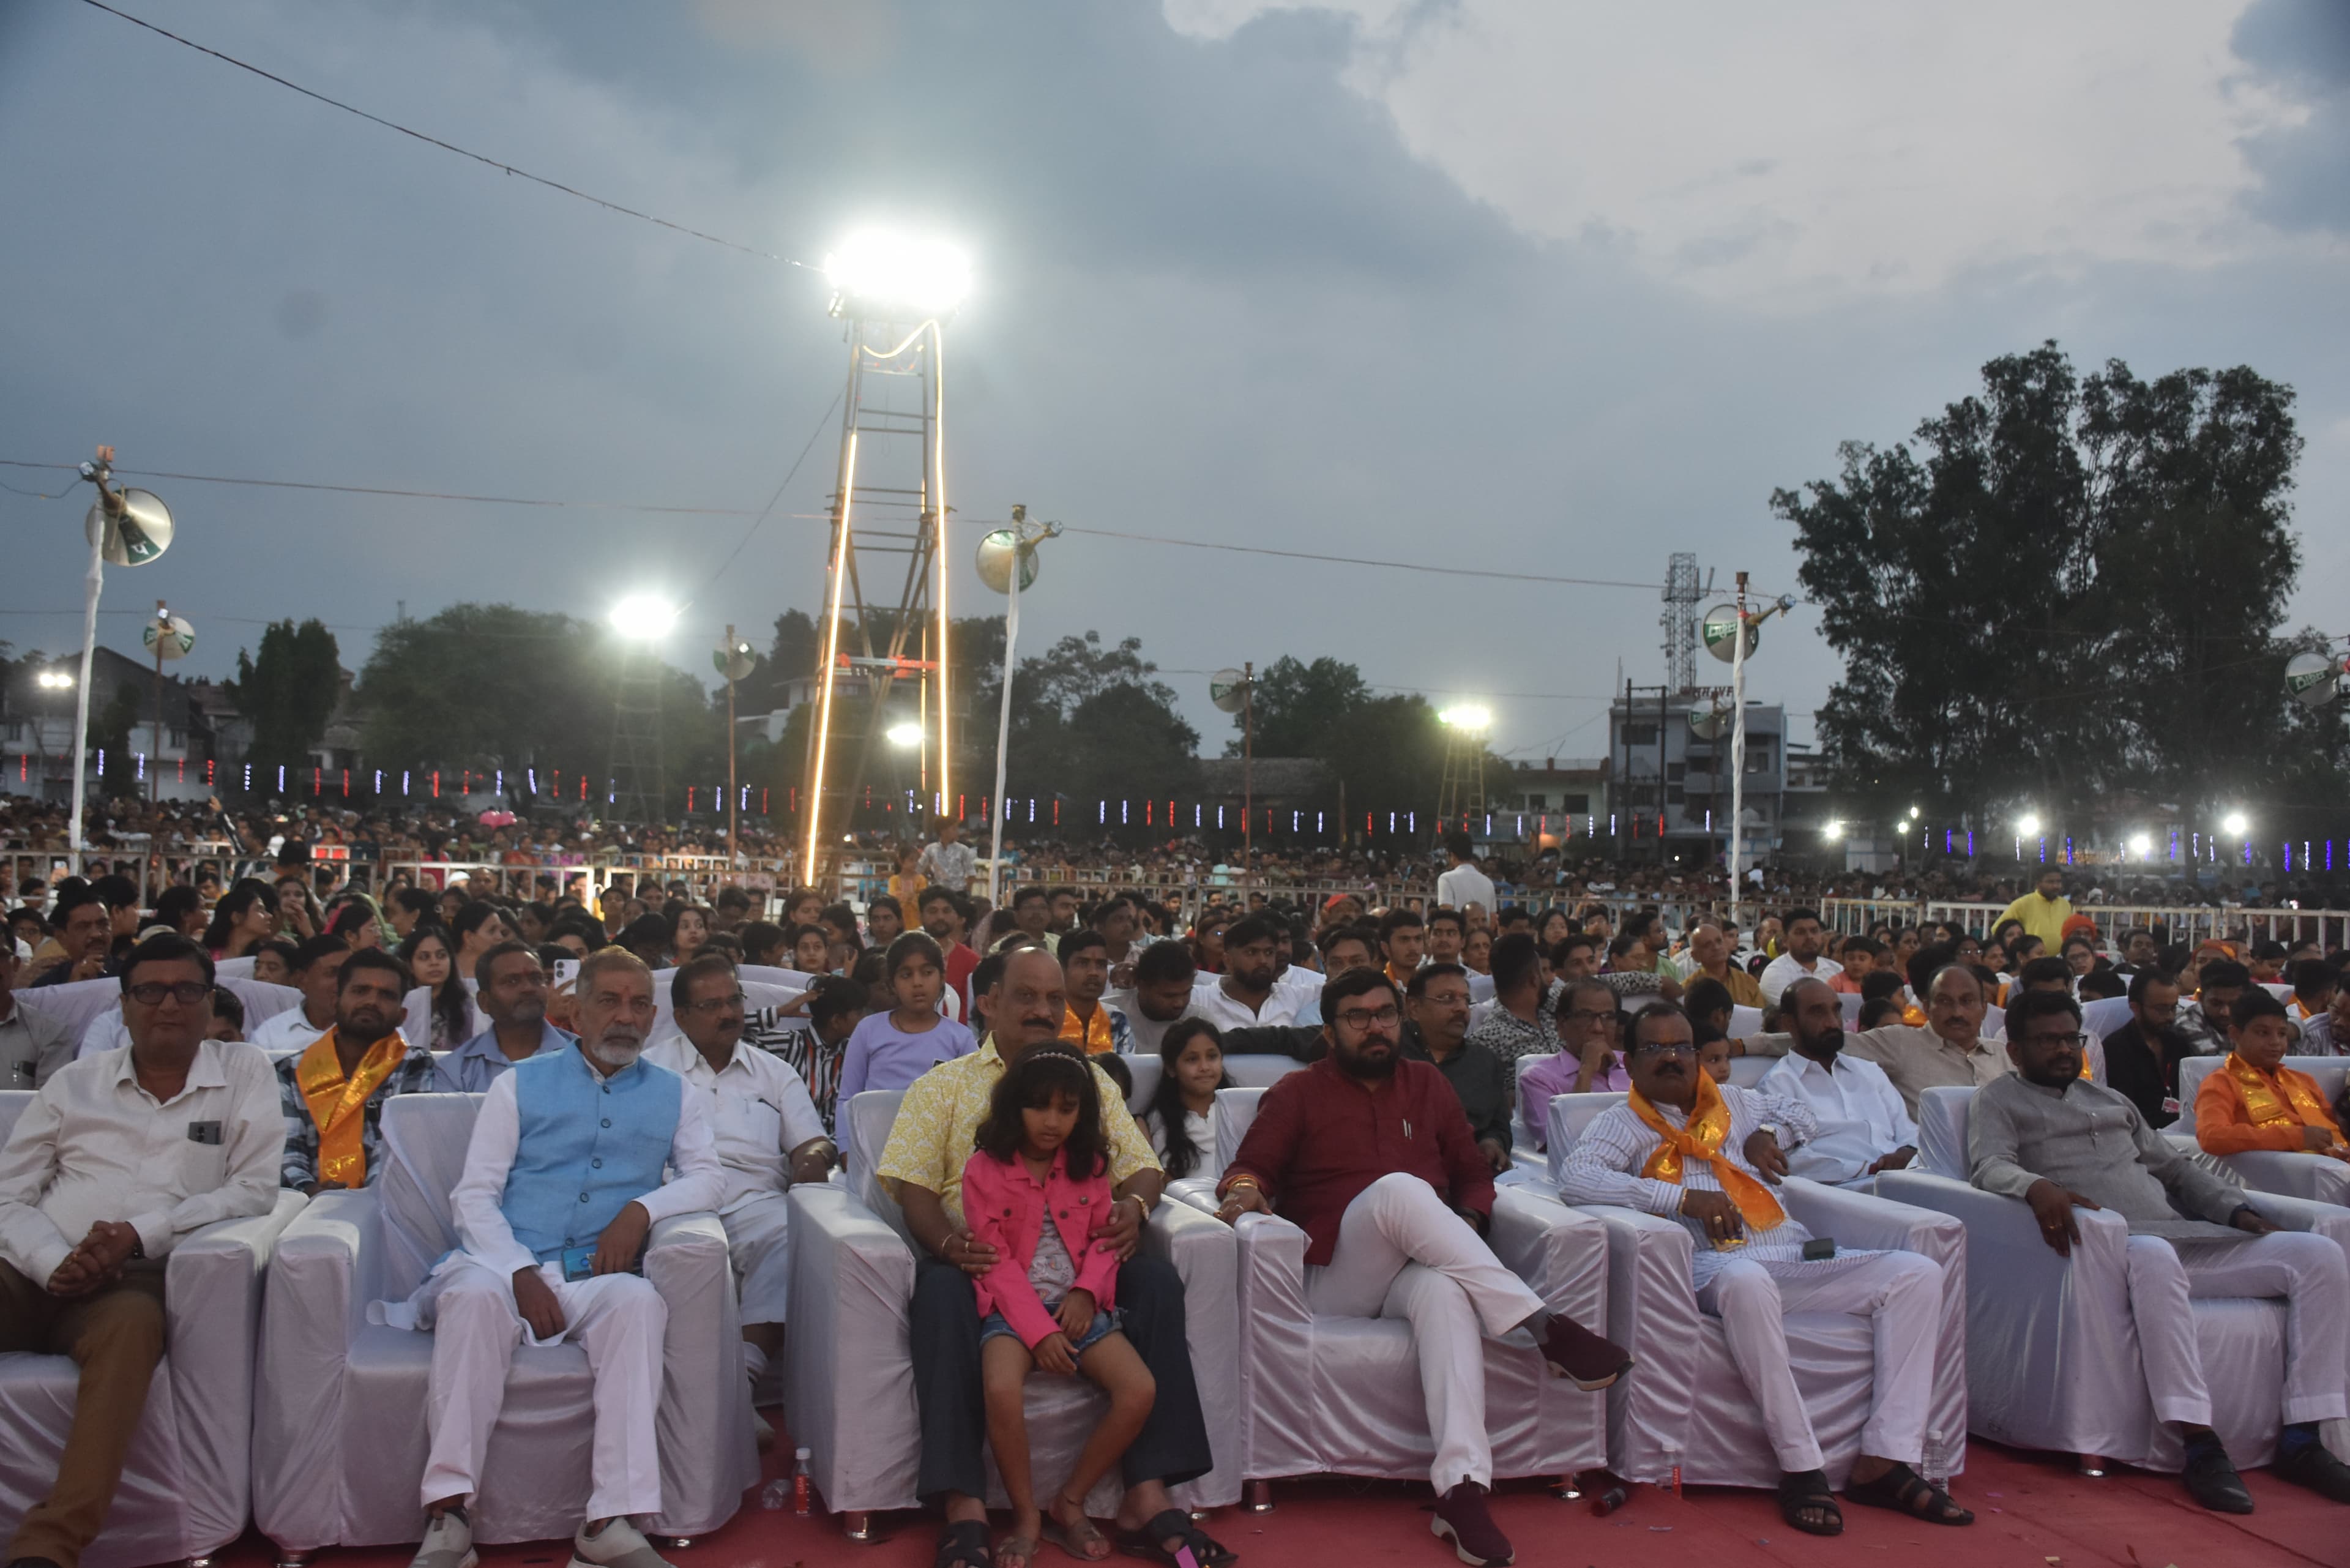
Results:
921 1167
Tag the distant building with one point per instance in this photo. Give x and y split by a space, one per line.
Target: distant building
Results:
1667 780
36 755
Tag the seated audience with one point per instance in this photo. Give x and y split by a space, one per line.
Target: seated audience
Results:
2321 1005
333 1090
2045 1136
1244 995
2203 1018
1519 1024
923 1166
33 1044
513 994
1097 1028
1181 1120
273 962
318 967
767 1134
84 937
2253 1100
1949 1049
1684 1148
1404 1241
1586 1062
1805 942
890 1049
2142 1056
228 1018
1863 1127
1164 976
1710 956
1435 1032
1039 1175
552 1213
88 1216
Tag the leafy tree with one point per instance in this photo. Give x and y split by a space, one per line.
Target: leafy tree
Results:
1389 749
2061 587
288 691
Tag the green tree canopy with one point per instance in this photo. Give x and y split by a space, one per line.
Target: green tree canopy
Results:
1388 747
2064 587
289 689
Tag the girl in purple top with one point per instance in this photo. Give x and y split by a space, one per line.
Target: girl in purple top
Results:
890 1049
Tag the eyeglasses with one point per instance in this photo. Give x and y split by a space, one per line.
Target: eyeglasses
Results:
716 1003
1589 1014
2072 1039
1364 1017
186 993
1678 1049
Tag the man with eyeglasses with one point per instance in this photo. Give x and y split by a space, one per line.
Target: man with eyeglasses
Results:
1586 1062
1682 1147
1370 1153
511 992
768 1135
119 1157
2046 1137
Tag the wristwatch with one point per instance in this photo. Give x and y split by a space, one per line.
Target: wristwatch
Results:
138 1247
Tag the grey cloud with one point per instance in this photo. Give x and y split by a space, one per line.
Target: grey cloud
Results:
2303 47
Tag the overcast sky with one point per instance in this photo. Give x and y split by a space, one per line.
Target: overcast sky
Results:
1537 286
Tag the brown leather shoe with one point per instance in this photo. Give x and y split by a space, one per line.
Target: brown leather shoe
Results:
1461 1519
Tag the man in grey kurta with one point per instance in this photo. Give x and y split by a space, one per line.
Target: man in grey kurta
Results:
2054 1140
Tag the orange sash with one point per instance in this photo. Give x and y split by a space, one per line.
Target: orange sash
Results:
1093 1032
2296 1105
337 1106
1708 1124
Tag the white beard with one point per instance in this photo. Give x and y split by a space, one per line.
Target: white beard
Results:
612 1055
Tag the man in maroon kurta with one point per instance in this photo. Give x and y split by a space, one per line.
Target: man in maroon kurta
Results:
1371 1155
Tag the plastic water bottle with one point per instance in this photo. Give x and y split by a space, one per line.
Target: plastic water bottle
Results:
774 1496
801 1486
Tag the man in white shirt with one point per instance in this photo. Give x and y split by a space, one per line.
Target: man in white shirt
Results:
949 863
33 1044
1805 942
317 967
767 1134
1863 1126
1461 884
551 1214
117 1160
1679 1149
1245 994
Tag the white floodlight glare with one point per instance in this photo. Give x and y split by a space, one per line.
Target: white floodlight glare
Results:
647 616
1913 814
2029 827
1468 716
1833 830
2141 845
2236 824
880 273
906 734
54 680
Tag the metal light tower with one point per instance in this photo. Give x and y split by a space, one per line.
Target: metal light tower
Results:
637 772
890 499
1682 595
1462 791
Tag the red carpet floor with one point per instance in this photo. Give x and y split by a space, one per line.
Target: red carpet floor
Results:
2032 1511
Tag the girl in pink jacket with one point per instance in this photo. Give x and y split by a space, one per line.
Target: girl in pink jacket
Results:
1034 1192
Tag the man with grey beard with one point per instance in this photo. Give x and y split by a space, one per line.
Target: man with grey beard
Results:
563 1182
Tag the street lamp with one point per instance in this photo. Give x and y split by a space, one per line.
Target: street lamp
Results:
1833 831
2141 845
883 274
54 680
908 735
643 617
2029 826
1468 716
2237 824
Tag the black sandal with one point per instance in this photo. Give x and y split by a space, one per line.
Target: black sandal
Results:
1904 1491
1147 1541
963 1544
1806 1504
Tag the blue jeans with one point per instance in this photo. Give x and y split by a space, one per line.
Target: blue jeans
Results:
1104 1324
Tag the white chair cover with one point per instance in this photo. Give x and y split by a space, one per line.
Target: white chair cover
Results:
850 1384
2321 1179
1745 1021
187 1484
75 1003
2052 1357
1342 1396
2104 1015
1700 1417
239 967
340 1430
261 1002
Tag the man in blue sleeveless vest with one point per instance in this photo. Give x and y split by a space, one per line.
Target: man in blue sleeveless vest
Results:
562 1185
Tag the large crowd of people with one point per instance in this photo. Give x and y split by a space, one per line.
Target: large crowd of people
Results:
1025 1178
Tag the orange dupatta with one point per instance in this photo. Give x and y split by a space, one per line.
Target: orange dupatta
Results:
2296 1105
1708 1124
336 1105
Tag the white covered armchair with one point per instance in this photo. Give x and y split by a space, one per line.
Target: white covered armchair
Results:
339 1425
1685 1410
1342 1396
2319 1178
2052 1354
849 1386
187 1482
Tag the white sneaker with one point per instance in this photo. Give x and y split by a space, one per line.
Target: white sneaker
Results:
618 1545
448 1544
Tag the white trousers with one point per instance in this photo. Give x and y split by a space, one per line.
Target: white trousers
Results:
1402 1254
759 1244
2307 1269
617 1319
1901 1295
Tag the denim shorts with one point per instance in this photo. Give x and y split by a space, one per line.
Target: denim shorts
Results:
1104 1324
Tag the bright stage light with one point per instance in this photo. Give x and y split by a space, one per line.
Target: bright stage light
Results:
54 680
1468 716
2236 824
906 734
2141 845
881 274
1833 830
2029 827
647 616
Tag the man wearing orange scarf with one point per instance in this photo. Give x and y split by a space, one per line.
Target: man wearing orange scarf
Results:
2253 1100
1683 1149
332 1091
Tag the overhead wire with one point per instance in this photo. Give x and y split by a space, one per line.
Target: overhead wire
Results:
428 138
823 420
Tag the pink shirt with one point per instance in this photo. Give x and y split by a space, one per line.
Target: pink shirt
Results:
1555 1076
1006 1208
